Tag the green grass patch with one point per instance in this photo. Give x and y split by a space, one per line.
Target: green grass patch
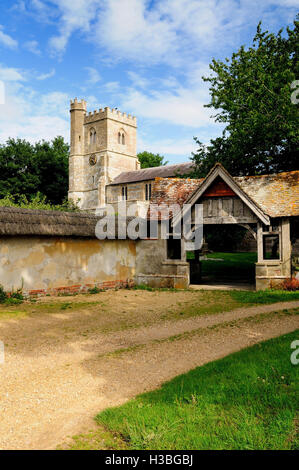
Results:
195 304
31 308
14 298
95 290
228 266
247 400
268 296
101 439
156 289
234 266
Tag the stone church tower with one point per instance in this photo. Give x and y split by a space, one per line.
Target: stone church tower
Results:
103 145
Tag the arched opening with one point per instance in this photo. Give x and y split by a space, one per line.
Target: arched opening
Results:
121 137
227 257
92 136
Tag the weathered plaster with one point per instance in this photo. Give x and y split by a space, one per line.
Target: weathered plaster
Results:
49 263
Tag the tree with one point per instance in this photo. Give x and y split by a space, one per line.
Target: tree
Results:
52 166
27 169
252 94
149 160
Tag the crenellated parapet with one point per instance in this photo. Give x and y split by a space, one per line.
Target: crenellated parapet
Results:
78 105
110 113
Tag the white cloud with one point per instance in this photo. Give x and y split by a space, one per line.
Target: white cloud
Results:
10 74
55 103
45 76
2 92
174 32
169 100
137 80
112 87
185 107
7 40
93 76
35 128
31 115
19 6
169 146
167 31
32 46
75 15
130 30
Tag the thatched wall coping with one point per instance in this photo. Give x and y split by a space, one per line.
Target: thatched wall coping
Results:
19 221
15 221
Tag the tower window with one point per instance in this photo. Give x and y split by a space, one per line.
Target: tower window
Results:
124 193
121 137
148 192
92 137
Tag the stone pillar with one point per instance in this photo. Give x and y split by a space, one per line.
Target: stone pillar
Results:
286 247
259 240
271 272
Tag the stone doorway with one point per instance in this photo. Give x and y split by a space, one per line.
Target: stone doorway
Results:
227 258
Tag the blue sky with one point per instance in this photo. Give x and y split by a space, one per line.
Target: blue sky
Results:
144 57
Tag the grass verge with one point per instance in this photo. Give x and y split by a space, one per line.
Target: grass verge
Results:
229 266
248 400
182 304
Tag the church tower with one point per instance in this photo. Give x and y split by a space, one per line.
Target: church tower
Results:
103 145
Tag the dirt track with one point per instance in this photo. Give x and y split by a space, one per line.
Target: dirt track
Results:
57 375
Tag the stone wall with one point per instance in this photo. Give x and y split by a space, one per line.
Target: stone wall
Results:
155 270
43 265
52 265
136 191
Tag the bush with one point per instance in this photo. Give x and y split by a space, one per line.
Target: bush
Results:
13 298
17 295
291 284
95 290
38 201
3 295
13 301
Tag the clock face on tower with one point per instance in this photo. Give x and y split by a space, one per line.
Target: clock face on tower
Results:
92 160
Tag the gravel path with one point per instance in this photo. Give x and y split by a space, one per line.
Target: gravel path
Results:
51 387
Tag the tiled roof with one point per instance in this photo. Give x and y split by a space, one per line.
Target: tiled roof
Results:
169 191
277 195
173 190
146 174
